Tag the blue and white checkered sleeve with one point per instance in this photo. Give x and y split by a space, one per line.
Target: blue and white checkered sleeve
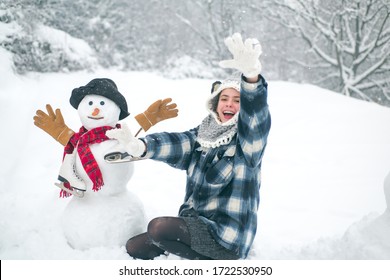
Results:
254 120
172 148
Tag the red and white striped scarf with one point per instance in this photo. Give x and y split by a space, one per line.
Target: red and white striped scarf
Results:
82 140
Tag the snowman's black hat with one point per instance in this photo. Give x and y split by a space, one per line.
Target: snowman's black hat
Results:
104 87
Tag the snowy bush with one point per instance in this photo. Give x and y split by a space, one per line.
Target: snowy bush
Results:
45 52
39 48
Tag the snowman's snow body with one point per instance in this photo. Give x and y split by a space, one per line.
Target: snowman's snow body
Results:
112 215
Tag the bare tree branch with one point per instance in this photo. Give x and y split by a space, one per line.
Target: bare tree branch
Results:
351 36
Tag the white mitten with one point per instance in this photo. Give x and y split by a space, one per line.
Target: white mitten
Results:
132 145
245 55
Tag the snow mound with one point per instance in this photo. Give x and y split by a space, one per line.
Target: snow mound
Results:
367 239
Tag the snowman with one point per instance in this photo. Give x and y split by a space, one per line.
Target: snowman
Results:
102 211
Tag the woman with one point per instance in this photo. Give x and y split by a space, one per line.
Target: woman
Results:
222 158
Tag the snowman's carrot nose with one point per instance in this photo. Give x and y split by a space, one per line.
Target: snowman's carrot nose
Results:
95 112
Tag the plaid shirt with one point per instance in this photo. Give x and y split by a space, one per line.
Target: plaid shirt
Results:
223 183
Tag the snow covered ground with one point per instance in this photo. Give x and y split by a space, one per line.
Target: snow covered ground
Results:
322 194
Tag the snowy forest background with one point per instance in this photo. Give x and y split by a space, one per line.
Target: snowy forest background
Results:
341 45
328 155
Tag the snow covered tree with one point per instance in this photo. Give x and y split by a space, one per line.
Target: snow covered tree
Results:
343 45
349 41
34 45
210 22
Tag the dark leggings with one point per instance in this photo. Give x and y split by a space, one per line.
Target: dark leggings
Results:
164 234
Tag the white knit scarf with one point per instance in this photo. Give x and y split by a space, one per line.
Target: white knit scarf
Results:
213 133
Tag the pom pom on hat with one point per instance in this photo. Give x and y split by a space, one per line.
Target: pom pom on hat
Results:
215 86
103 87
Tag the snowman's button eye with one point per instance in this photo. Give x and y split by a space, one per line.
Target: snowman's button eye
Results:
90 102
102 103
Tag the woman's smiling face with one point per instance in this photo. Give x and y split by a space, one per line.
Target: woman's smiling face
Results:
228 104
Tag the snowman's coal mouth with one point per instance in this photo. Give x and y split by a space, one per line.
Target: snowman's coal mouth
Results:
93 118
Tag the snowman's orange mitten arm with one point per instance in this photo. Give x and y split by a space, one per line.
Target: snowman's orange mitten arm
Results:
158 111
53 124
